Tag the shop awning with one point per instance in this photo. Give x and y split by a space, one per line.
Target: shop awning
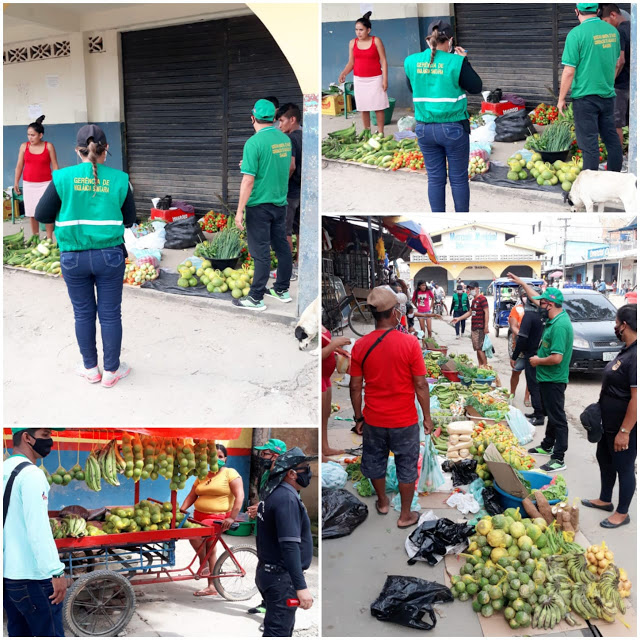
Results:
632 226
411 233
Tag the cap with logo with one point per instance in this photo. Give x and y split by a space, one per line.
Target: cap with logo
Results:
275 445
588 7
382 298
443 27
552 295
264 110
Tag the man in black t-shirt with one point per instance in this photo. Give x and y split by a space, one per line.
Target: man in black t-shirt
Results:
289 117
611 13
284 543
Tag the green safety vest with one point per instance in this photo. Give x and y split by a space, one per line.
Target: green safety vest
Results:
90 217
437 95
461 301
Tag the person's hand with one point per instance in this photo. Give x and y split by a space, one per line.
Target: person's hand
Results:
515 278
359 427
59 590
562 105
534 361
305 597
339 342
16 189
437 316
455 320
342 77
460 51
226 524
621 442
428 425
240 220
486 331
385 85
252 511
513 364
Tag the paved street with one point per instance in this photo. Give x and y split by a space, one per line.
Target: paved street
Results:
376 549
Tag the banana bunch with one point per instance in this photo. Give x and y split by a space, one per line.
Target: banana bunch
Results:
108 463
76 526
608 588
549 611
92 473
581 602
577 568
59 529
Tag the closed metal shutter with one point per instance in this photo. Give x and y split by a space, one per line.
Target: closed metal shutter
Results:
188 94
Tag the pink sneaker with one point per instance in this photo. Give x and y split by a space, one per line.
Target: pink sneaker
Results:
92 375
111 378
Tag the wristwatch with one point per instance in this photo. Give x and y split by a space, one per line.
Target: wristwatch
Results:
360 419
623 430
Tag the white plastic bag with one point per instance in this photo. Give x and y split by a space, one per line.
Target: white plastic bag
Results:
483 134
153 240
522 429
333 475
407 123
464 503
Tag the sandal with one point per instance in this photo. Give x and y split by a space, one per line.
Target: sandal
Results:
413 524
527 403
382 513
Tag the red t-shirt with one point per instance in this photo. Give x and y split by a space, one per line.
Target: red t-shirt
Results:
478 306
366 62
389 394
329 363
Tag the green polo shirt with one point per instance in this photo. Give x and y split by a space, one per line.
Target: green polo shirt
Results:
267 157
593 49
557 337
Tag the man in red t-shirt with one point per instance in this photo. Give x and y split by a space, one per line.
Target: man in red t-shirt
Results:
479 314
392 364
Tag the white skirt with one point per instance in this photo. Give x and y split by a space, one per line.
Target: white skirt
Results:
32 192
370 96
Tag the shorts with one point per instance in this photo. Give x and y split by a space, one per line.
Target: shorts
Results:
293 204
209 518
520 364
377 442
622 108
477 339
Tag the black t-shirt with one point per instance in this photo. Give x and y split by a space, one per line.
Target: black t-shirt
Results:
529 334
621 374
296 152
624 29
282 517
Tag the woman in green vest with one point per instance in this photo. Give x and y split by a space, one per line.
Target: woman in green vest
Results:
91 206
439 78
459 306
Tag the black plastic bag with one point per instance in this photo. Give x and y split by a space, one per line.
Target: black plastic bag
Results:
491 500
342 512
494 96
514 126
183 234
463 472
434 536
406 600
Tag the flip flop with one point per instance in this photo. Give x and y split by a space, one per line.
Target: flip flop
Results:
527 403
382 513
591 505
202 594
413 524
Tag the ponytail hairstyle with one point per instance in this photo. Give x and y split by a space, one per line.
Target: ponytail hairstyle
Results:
93 151
364 21
37 125
436 38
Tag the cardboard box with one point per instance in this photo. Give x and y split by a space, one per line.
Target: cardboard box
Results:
334 104
503 473
499 108
170 215
6 209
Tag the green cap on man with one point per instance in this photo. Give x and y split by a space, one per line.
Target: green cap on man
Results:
15 430
275 445
264 110
587 7
552 295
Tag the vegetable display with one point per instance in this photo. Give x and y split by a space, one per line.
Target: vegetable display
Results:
224 245
35 254
236 281
137 274
556 137
213 222
546 173
544 114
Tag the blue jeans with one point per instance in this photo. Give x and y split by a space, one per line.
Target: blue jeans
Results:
29 610
91 274
439 143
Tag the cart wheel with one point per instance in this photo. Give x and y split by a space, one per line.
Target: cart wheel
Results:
235 588
100 603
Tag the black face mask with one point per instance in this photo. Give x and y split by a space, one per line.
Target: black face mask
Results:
544 313
265 463
43 446
618 333
304 478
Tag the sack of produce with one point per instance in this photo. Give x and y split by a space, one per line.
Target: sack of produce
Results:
406 600
514 126
333 476
183 234
407 123
342 512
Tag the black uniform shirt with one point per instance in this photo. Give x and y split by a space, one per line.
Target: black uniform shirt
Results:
529 334
621 374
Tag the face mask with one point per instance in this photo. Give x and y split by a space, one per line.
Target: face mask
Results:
43 446
221 463
618 333
265 463
304 478
544 313
398 317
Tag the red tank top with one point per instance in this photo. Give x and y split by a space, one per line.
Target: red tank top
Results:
37 167
366 62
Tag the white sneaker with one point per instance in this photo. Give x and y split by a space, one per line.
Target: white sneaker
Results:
92 375
111 378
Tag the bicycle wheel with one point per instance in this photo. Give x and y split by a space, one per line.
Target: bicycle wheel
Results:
361 320
235 587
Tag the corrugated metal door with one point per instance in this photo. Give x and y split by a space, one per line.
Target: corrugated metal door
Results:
188 94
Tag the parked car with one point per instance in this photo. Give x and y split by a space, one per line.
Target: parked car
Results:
631 297
593 319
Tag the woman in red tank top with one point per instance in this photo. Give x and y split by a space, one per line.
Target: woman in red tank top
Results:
368 61
36 158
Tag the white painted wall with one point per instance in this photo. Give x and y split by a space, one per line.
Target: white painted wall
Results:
351 11
102 73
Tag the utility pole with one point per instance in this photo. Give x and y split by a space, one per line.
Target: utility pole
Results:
564 248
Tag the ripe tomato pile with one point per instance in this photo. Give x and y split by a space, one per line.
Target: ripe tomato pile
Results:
213 222
577 152
544 114
407 159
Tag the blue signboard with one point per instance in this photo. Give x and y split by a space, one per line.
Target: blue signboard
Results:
600 252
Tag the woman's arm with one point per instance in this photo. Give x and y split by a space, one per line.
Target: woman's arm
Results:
334 345
383 64
190 499
49 205
349 68
469 80
54 157
238 494
129 209
19 168
621 442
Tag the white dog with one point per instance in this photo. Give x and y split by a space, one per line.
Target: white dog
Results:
309 325
598 187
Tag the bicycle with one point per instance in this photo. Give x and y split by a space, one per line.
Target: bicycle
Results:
360 318
438 308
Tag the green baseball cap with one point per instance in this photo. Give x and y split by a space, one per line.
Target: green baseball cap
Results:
264 110
275 445
589 7
552 295
15 430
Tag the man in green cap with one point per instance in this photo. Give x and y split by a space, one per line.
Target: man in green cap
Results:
33 576
266 162
590 56
552 372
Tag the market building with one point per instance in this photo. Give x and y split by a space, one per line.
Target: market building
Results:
172 85
475 252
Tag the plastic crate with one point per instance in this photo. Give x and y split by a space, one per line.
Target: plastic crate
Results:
170 215
499 108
